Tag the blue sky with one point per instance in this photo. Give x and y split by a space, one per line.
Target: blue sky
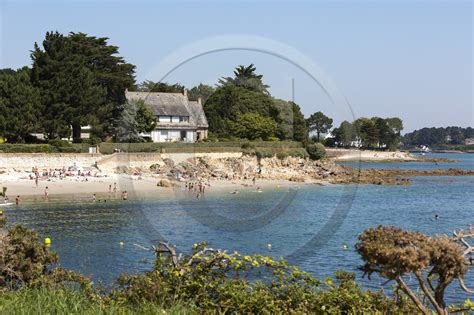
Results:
400 58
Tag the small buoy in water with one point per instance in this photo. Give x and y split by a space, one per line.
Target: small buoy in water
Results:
47 241
121 243
345 247
269 246
1 212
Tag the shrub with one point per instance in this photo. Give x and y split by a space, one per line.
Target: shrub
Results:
248 146
282 155
59 143
316 151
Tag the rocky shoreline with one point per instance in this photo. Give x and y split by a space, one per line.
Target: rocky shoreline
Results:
291 169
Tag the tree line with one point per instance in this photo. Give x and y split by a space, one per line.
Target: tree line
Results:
77 80
438 136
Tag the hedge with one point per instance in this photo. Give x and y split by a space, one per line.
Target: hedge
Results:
172 147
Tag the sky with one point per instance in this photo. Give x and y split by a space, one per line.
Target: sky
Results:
410 59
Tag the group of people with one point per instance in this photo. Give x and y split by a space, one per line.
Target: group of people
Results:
124 194
197 186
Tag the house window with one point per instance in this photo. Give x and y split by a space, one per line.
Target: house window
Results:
164 118
183 119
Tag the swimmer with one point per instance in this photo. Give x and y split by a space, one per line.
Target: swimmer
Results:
124 195
235 192
259 190
436 216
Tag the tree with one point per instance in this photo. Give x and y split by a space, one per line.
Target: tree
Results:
82 81
319 122
345 134
247 78
435 262
19 105
228 102
316 151
253 126
300 130
202 91
145 119
367 132
126 127
150 86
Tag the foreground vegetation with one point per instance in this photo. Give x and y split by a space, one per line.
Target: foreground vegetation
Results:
208 280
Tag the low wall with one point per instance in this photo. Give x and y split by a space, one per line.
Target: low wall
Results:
26 161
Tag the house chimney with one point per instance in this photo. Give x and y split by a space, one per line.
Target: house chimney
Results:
185 92
199 101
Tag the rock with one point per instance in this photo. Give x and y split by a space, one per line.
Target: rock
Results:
164 183
298 179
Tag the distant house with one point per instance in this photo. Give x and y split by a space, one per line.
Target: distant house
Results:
178 118
469 141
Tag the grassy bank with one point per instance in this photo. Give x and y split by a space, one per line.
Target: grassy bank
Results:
65 301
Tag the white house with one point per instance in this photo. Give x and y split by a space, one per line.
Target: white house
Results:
178 118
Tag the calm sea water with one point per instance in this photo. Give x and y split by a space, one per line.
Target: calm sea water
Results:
309 225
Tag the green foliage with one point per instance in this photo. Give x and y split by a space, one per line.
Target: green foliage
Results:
438 136
319 122
300 130
316 151
145 119
150 86
202 91
215 280
228 102
20 105
252 126
82 81
246 78
23 259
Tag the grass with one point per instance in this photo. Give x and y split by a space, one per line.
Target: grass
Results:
62 301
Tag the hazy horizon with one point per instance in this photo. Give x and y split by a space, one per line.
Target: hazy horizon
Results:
411 60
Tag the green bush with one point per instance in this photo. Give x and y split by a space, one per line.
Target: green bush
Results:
59 143
282 155
316 151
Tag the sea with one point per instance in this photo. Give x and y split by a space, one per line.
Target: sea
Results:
313 226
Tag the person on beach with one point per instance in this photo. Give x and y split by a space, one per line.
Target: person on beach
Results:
93 197
124 195
115 188
110 189
17 200
253 181
46 192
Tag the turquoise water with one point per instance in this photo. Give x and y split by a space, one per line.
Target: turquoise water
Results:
87 235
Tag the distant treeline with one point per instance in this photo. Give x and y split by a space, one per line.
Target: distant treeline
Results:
438 136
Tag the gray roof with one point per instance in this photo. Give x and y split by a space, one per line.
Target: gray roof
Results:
160 104
172 104
198 113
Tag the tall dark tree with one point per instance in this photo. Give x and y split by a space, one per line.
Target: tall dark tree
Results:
300 130
82 81
19 105
320 123
247 78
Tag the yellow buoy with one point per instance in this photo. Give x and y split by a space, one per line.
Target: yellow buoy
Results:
47 241
121 243
269 246
345 246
